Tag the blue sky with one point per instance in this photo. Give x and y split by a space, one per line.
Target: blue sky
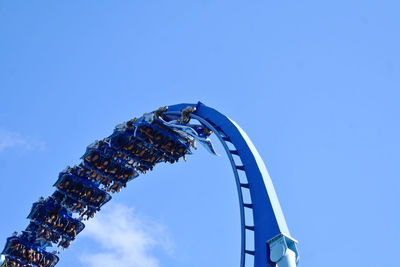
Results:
315 84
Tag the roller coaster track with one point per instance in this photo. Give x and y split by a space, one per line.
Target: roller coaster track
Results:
265 237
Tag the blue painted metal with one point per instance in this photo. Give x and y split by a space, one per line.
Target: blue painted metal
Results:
283 251
272 241
12 240
268 218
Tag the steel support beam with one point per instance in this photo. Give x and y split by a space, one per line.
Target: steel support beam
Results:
283 251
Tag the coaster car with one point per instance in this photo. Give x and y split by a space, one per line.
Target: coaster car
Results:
78 194
53 217
99 178
151 130
189 132
110 162
158 142
134 148
162 138
42 235
141 151
19 251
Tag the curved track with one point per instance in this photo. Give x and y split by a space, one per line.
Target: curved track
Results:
263 226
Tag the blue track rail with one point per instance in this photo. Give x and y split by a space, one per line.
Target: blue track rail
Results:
251 174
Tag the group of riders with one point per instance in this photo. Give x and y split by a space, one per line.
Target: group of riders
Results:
135 146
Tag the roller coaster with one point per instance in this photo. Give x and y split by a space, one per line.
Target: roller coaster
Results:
135 147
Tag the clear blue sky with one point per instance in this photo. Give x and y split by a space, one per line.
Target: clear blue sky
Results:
315 84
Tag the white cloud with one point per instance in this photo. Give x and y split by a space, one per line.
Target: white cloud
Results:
125 239
9 139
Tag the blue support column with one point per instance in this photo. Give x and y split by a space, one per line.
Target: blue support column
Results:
269 227
283 251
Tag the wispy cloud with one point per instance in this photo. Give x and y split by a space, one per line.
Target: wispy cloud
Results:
125 239
10 139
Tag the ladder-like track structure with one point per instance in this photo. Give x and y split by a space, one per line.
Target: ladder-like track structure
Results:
265 238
